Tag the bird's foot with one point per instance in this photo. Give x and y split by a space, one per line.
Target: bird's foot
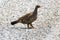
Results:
29 28
32 27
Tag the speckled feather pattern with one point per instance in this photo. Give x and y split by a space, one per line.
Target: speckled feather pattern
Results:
47 24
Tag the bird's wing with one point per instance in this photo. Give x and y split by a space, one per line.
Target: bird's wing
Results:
26 17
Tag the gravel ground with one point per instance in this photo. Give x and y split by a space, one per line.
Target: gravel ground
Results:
47 25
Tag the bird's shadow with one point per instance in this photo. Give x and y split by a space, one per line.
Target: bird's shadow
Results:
22 28
18 28
25 28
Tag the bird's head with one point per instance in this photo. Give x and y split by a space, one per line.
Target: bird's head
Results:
37 6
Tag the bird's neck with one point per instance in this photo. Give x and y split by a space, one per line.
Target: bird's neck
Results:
35 11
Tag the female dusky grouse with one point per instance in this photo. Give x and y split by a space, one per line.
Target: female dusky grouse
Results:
28 18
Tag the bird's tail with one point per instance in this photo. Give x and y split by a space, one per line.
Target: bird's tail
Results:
14 22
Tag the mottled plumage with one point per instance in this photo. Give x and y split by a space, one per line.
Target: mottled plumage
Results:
28 18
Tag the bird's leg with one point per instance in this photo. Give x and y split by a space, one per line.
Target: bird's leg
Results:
31 25
28 25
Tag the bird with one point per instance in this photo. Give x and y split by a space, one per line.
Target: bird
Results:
28 18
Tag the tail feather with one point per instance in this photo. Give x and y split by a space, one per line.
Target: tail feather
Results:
14 22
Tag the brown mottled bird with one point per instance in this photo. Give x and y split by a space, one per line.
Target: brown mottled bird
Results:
28 18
